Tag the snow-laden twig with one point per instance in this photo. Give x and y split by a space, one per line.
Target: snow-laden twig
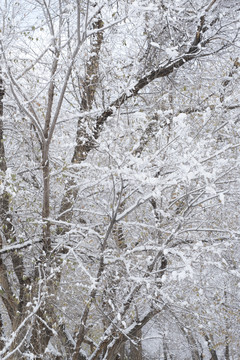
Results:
226 148
129 210
19 246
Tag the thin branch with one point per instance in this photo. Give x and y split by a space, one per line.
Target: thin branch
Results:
33 64
230 147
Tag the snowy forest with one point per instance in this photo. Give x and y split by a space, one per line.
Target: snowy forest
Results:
119 179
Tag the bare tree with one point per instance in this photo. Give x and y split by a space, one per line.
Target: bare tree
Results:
119 221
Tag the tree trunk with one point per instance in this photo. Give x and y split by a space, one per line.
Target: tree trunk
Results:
136 347
210 348
2 166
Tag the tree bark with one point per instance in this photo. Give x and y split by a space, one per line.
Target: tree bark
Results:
211 348
82 148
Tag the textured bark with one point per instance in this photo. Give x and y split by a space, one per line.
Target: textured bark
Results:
40 333
165 357
3 166
211 347
227 352
136 346
46 205
16 308
193 346
166 353
9 300
115 342
82 148
225 83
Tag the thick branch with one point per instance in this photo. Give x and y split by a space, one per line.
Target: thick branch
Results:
89 86
6 290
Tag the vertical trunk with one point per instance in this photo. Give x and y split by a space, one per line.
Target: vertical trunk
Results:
2 153
46 204
194 348
1 333
165 357
166 353
40 336
211 348
84 141
44 319
227 352
121 353
2 168
136 347
12 306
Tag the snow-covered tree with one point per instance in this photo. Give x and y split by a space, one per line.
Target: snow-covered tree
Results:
119 167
